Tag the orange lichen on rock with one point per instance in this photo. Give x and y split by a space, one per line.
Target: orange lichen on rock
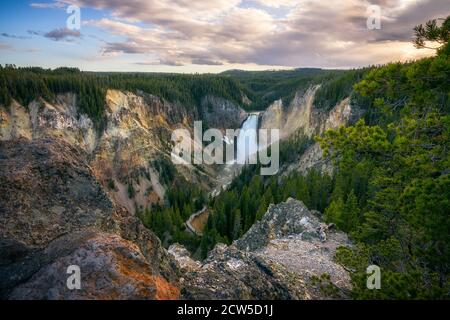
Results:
165 290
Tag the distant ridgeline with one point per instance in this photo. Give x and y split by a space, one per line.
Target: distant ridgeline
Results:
261 88
265 87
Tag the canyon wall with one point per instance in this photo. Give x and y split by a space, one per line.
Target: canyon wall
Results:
126 155
69 191
301 116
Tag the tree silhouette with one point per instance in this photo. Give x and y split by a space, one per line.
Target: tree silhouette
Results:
431 31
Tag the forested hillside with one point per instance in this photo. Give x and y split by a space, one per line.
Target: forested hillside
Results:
264 87
392 187
28 84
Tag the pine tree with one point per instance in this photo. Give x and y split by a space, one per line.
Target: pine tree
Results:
237 224
350 215
334 212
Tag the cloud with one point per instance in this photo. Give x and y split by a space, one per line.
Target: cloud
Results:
206 62
278 3
235 32
114 26
13 36
62 34
48 5
311 33
33 50
317 34
125 47
160 63
171 63
34 33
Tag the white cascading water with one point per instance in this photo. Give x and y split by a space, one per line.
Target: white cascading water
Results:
248 132
247 142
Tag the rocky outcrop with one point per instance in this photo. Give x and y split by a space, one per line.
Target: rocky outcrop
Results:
312 158
229 273
110 268
295 237
301 116
222 114
280 221
41 119
280 257
54 213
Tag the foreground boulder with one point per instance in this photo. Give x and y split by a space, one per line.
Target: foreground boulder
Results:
54 214
289 254
111 268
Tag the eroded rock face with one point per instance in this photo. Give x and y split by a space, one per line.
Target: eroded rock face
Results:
47 190
282 220
136 132
280 257
222 114
110 268
301 114
230 273
311 159
54 213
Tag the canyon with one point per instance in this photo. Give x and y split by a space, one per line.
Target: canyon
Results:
65 199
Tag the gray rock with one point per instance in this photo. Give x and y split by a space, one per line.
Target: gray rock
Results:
54 213
278 258
289 218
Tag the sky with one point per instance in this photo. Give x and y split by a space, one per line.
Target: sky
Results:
202 36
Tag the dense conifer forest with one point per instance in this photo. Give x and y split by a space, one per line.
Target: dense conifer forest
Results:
28 84
262 88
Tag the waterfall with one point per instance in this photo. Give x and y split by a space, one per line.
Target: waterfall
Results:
247 142
246 145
